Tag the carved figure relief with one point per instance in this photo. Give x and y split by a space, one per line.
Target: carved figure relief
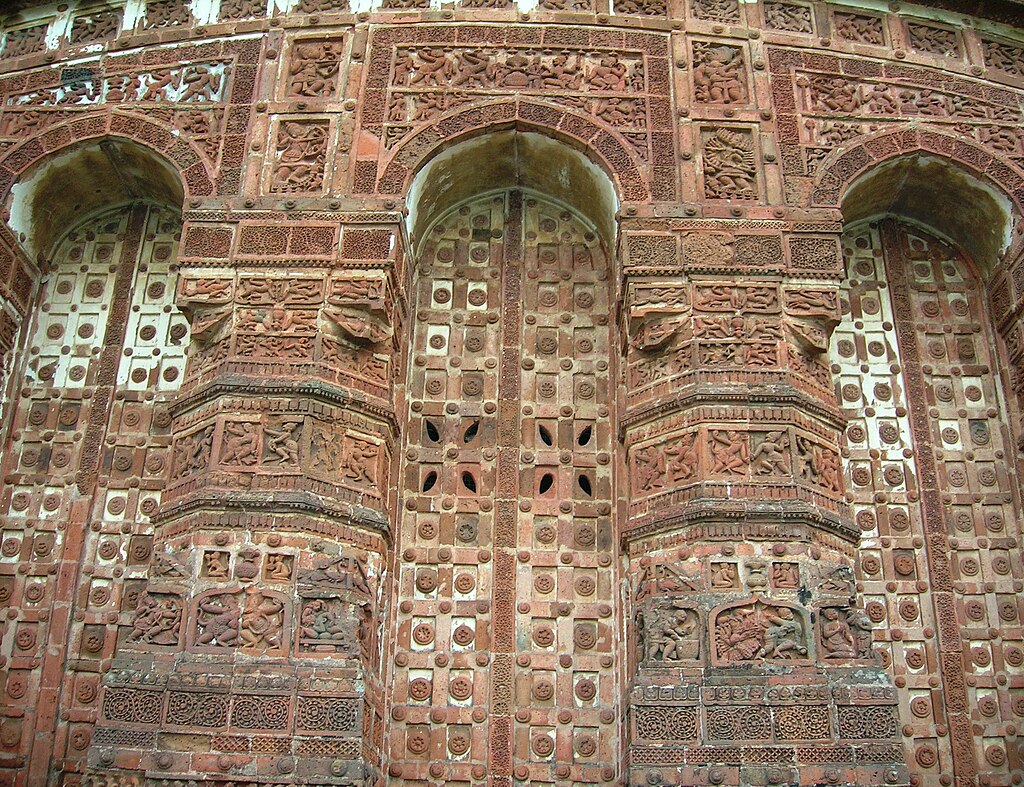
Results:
759 631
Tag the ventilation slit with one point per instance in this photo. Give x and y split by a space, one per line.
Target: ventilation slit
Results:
471 431
585 435
468 481
432 434
584 483
546 482
429 481
545 436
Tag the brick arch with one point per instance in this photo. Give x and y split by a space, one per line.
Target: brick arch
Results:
183 156
594 140
849 162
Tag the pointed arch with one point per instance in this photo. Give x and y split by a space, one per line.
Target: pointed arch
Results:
929 177
600 144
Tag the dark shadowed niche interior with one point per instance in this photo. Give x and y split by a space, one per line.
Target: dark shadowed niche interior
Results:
507 160
58 194
937 194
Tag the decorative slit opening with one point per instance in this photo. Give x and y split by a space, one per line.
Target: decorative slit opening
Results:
471 432
433 435
584 484
545 435
585 434
429 481
468 481
547 481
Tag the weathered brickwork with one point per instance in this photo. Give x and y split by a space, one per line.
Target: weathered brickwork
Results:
580 392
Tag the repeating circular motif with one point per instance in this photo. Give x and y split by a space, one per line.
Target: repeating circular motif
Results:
442 295
973 393
463 635
585 635
25 639
94 288
543 689
417 741
995 755
876 349
981 656
956 476
419 689
875 611
883 391
472 386
437 341
584 535
546 389
851 392
937 350
544 583
461 688
846 348
544 636
586 745
926 756
464 583
974 609
428 529
584 300
426 581
994 521
920 707
423 634
865 520
909 609
546 534
585 390
988 706
586 689
1001 564
479 254
889 433
147 333
861 476
466 531
969 566
434 387
871 564
585 585
547 344
477 297
10 547
1013 655
893 475
914 658
548 298
944 392
904 565
950 435
542 745
458 743
1007 611
987 476
445 254
474 344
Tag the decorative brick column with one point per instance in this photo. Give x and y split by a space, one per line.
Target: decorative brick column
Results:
750 659
254 647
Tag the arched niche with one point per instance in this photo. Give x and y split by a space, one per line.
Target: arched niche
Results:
506 160
934 192
81 181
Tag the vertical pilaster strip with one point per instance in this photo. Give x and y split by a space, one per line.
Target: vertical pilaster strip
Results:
509 395
936 541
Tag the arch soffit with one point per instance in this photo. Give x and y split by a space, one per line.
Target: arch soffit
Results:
598 143
183 156
995 181
167 168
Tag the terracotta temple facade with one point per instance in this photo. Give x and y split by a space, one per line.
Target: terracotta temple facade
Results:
563 393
